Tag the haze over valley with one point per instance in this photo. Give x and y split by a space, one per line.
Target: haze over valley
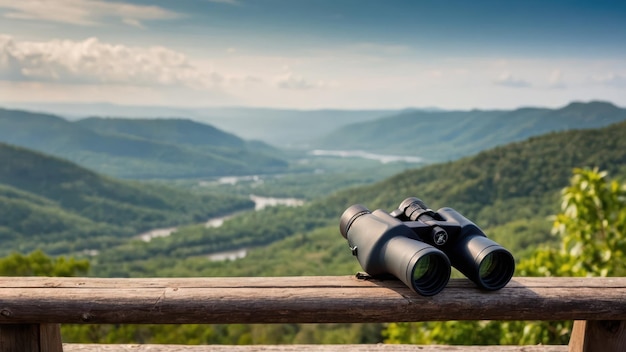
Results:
73 165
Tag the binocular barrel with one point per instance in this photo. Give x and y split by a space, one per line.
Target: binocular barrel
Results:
485 262
384 245
417 246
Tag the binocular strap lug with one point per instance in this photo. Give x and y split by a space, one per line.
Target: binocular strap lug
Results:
363 276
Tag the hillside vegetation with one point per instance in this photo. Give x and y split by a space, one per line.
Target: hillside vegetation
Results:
448 135
509 191
56 205
142 149
60 207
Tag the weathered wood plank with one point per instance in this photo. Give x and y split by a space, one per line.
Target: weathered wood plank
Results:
285 281
598 335
19 338
301 300
30 338
50 337
309 348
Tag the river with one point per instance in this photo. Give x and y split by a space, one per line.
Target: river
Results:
259 203
383 158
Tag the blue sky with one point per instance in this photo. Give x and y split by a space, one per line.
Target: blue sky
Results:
311 54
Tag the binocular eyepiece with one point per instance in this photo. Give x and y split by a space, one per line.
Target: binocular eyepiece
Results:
418 246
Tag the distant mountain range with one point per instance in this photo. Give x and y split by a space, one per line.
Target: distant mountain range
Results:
140 148
185 148
285 128
448 135
51 203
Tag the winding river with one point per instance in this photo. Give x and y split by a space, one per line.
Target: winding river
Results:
259 203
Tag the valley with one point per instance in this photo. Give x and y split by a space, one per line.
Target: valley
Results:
280 219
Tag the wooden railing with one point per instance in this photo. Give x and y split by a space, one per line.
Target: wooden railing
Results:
31 308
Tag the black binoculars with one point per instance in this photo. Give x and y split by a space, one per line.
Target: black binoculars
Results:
417 245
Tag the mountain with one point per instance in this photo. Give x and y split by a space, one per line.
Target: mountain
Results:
120 148
294 129
448 135
509 191
279 127
189 134
170 131
56 205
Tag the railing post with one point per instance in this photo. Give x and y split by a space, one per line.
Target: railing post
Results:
30 338
598 335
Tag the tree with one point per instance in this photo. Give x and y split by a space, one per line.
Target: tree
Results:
39 264
592 229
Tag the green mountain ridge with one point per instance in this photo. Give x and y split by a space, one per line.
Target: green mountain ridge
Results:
66 208
134 155
174 131
291 128
449 135
509 191
50 203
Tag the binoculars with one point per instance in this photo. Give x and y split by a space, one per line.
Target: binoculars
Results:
417 245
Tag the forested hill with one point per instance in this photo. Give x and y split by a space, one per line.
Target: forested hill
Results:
53 204
173 131
448 135
512 179
124 151
509 191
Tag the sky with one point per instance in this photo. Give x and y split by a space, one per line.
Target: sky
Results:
314 54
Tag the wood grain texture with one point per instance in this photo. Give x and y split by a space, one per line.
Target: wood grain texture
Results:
598 335
19 338
31 308
50 338
309 348
30 338
333 299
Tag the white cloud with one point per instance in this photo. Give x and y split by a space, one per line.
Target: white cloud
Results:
295 82
506 79
612 79
83 12
555 80
92 61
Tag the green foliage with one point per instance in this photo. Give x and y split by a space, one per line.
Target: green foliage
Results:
57 206
592 231
318 252
232 334
329 175
39 264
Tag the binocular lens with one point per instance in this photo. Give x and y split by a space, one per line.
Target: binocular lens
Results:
430 274
486 267
495 269
421 268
